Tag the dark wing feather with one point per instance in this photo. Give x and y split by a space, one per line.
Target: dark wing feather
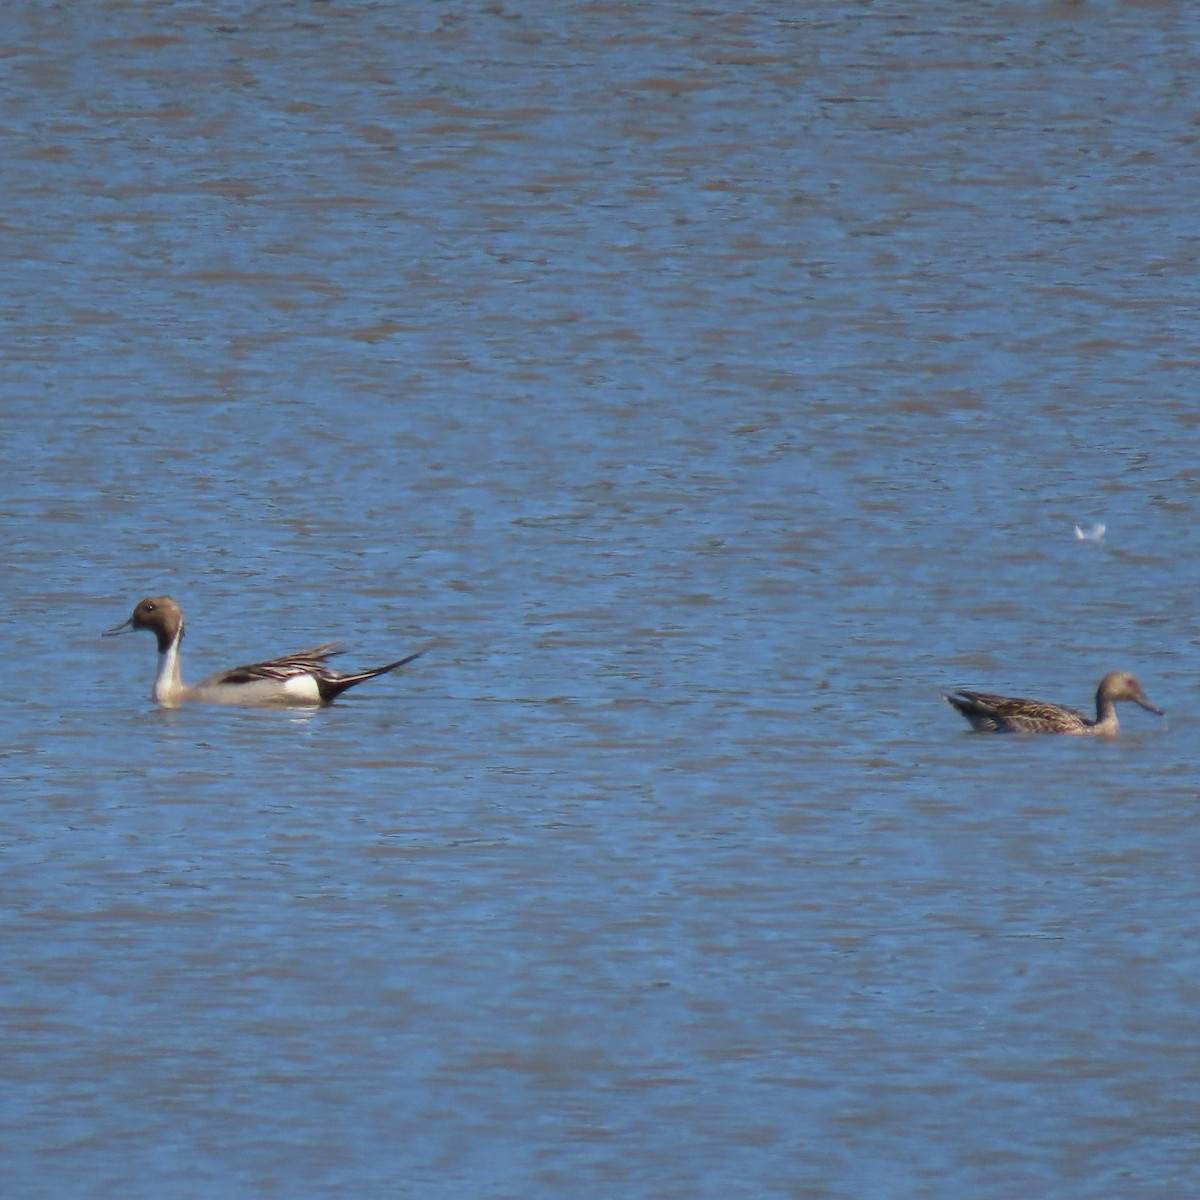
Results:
303 662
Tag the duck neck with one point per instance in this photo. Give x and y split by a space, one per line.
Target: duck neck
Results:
1106 716
168 687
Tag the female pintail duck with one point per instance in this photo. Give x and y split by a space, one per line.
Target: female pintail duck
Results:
301 678
1008 714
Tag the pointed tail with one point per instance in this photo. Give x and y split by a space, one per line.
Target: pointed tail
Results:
331 688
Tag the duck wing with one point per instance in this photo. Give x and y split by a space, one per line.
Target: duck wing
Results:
1006 714
303 662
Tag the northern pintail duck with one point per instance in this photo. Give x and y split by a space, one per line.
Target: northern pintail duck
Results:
298 679
1008 714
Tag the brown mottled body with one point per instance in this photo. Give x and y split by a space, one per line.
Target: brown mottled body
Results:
990 713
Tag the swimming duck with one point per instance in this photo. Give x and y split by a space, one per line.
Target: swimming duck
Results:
1008 714
303 678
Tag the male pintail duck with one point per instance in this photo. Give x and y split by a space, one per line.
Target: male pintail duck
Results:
1008 714
297 679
